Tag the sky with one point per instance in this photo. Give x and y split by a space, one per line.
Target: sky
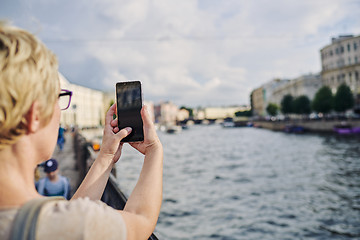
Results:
190 52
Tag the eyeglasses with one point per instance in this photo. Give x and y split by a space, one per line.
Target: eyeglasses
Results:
64 99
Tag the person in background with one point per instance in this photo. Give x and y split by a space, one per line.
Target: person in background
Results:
29 122
53 184
61 138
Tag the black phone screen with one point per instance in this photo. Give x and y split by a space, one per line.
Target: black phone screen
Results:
129 104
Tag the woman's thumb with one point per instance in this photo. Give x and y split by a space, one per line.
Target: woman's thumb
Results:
124 132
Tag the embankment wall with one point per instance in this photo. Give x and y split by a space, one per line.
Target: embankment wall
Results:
309 125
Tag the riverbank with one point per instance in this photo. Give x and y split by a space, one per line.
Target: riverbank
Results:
325 126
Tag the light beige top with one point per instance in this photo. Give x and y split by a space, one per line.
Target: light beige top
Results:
76 219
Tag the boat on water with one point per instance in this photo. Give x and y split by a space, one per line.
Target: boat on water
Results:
346 129
228 124
294 129
184 127
173 129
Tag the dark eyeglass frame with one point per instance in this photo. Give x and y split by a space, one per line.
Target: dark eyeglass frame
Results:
65 92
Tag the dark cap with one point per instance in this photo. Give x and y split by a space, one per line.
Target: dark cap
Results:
50 165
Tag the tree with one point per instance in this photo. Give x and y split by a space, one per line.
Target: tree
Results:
343 99
272 109
243 113
190 110
287 104
301 105
323 100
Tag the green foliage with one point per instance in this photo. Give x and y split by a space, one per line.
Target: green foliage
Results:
272 109
301 105
287 104
343 99
323 100
243 113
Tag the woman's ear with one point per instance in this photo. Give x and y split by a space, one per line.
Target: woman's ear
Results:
33 118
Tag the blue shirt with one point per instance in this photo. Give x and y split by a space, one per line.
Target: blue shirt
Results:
59 188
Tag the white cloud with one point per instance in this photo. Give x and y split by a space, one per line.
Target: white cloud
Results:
191 52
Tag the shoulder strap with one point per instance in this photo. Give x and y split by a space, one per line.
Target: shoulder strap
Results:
24 224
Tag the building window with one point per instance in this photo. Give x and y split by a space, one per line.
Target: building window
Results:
356 59
357 75
331 52
341 49
355 45
337 51
349 60
341 62
348 47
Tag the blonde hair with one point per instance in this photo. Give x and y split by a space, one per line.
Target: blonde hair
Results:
28 73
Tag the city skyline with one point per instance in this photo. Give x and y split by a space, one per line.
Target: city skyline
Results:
193 53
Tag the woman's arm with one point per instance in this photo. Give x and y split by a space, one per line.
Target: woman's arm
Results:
143 206
95 180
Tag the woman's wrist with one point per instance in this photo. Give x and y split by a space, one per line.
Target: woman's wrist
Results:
106 160
154 147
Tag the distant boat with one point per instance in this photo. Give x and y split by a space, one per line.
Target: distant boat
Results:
346 129
294 129
228 124
356 129
184 127
174 129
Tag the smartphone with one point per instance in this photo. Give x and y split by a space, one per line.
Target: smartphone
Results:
129 104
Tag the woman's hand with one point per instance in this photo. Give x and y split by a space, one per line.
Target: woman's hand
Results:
151 141
111 146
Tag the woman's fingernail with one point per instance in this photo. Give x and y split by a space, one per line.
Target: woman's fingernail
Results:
115 129
128 129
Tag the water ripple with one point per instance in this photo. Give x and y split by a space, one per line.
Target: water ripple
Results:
246 183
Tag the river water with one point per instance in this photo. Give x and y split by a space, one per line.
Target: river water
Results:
248 183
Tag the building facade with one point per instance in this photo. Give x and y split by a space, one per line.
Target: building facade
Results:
275 90
166 113
340 63
223 112
268 92
306 85
87 108
257 102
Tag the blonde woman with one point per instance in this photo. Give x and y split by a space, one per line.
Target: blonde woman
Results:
29 122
